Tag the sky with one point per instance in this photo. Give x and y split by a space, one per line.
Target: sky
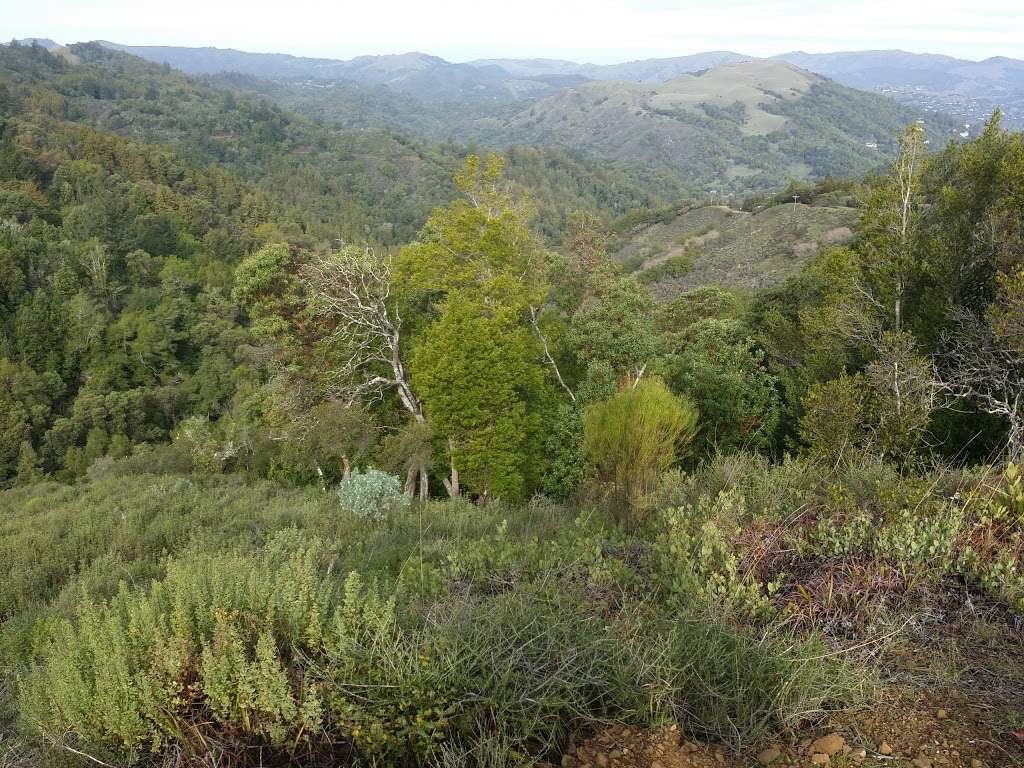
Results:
598 31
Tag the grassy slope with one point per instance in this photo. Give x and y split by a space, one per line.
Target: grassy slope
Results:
734 249
737 127
557 618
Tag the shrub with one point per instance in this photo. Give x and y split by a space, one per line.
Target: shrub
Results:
237 659
372 494
128 675
833 420
634 437
697 556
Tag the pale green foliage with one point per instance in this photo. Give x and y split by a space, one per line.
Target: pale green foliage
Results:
210 446
634 437
114 674
698 558
903 396
372 495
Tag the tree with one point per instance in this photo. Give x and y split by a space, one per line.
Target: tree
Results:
832 424
985 360
890 228
350 291
470 282
906 392
634 437
614 326
478 370
722 370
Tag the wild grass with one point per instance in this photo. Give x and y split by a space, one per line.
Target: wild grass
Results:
173 615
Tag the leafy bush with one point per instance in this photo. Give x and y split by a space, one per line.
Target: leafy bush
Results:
636 436
372 494
698 558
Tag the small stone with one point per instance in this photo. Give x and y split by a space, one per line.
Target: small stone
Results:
921 762
657 764
976 763
941 714
819 758
769 756
601 760
829 745
884 748
615 754
568 761
673 727
690 747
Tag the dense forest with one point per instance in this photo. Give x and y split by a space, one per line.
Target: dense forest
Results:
324 446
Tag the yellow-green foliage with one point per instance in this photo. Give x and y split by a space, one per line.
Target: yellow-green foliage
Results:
638 434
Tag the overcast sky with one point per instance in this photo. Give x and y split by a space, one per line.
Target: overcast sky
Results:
601 31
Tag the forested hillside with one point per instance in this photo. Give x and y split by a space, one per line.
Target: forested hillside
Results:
717 122
322 447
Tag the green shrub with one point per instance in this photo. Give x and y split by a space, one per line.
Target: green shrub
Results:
372 494
698 560
265 655
634 437
128 675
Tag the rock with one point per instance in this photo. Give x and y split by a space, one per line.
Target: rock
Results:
690 747
819 758
941 714
601 760
976 763
829 745
859 755
657 764
921 762
615 754
769 756
568 761
884 748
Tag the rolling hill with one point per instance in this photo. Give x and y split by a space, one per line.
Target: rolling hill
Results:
354 183
416 74
719 245
738 127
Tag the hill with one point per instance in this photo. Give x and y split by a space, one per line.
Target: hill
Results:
738 127
718 245
365 183
418 74
640 71
970 90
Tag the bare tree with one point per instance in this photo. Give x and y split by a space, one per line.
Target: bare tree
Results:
988 368
350 290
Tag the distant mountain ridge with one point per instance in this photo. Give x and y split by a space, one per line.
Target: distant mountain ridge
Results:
970 90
